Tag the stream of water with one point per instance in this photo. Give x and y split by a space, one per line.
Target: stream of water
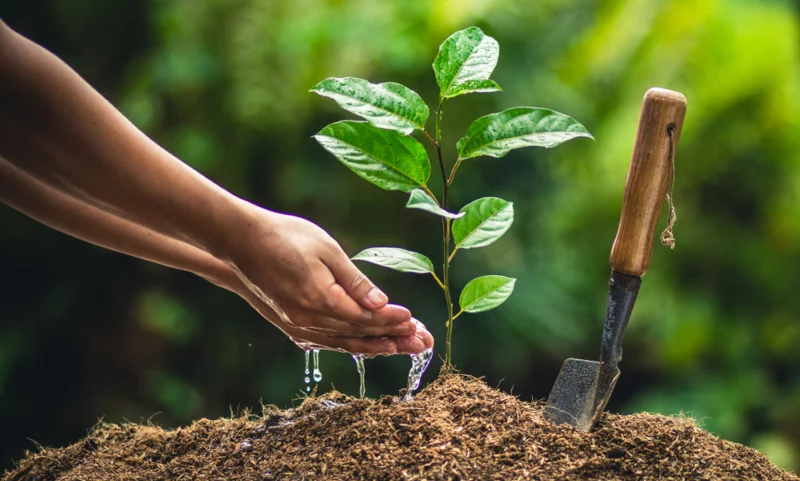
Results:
317 373
419 363
359 359
308 371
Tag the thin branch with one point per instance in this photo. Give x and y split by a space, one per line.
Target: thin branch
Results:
453 172
436 278
452 254
430 139
428 191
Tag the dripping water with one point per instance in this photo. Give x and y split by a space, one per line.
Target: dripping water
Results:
419 363
317 372
359 359
307 379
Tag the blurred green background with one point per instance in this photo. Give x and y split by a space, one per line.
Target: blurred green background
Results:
88 333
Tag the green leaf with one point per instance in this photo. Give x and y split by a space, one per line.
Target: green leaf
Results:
465 62
496 134
485 293
476 87
485 221
387 105
397 259
419 199
386 158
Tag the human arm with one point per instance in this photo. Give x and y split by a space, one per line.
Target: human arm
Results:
56 128
84 221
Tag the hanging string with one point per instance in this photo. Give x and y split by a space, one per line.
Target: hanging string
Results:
667 237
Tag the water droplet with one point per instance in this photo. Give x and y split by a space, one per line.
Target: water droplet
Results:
359 359
307 379
317 372
419 363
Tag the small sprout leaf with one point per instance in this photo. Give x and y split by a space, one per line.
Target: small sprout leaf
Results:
485 220
485 293
496 134
386 158
397 259
386 105
465 62
419 199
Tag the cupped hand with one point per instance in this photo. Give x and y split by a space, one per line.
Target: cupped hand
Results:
367 346
300 279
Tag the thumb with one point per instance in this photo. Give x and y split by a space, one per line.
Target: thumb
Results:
356 284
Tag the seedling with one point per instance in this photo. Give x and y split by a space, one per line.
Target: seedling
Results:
381 149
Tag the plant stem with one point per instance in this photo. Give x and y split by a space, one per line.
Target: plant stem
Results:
430 139
453 172
448 300
452 254
446 239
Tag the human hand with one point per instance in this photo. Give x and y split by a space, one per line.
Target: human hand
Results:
369 346
300 279
131 195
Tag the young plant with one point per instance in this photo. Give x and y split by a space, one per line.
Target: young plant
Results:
382 151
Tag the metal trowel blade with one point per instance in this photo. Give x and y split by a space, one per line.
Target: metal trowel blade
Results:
575 399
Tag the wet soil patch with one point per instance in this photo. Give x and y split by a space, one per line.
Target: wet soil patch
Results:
457 428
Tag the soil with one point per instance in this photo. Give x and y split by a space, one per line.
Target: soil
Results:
457 428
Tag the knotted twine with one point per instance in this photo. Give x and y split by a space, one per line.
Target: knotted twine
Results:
667 237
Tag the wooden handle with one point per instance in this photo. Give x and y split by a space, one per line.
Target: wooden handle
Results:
649 176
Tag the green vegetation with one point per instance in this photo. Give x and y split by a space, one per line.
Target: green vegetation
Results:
223 85
381 151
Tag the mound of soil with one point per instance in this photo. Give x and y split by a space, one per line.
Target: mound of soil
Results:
457 428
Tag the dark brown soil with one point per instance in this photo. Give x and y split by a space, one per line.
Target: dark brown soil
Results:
457 428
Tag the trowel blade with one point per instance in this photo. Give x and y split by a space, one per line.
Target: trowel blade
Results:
580 393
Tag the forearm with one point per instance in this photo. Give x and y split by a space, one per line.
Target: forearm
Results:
62 133
87 222
54 126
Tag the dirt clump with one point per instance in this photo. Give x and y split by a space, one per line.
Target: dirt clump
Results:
458 428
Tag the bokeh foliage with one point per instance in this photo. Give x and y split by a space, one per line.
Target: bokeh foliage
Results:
223 85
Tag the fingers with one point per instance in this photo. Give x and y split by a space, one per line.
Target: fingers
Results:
392 314
410 337
320 323
420 341
367 346
357 286
385 331
309 338
370 346
391 320
334 327
413 340
339 304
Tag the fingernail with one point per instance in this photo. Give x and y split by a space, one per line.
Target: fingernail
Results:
376 297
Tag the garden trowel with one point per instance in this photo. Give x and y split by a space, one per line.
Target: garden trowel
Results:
583 387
